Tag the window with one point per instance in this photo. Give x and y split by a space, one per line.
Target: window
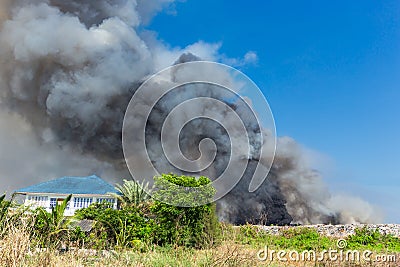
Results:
82 202
38 201
53 202
107 200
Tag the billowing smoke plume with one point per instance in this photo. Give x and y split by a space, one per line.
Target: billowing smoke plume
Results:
67 72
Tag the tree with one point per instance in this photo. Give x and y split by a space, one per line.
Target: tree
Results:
133 193
181 224
53 227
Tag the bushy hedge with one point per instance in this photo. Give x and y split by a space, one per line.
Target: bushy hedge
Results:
121 228
188 226
154 222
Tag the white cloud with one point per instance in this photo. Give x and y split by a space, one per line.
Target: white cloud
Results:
250 58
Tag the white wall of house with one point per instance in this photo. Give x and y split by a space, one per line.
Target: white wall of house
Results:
77 202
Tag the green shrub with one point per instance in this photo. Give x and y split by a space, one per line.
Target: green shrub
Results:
52 228
132 193
4 205
303 239
297 238
373 239
184 226
121 228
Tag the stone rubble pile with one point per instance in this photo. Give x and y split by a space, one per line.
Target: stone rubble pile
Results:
340 230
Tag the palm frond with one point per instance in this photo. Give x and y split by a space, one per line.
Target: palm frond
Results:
133 193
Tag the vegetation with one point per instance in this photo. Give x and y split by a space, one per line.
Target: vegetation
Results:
132 193
124 228
4 205
302 238
152 233
299 238
51 229
152 222
365 238
179 224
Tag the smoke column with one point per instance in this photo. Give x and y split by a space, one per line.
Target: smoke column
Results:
67 72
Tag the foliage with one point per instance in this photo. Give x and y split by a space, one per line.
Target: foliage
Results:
51 228
15 252
132 193
4 205
183 191
186 226
12 216
140 223
298 238
121 228
303 239
373 239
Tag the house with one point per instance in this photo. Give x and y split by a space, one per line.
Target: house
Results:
84 190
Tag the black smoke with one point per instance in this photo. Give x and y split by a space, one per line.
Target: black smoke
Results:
67 72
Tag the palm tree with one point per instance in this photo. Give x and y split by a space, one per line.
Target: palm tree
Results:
133 193
54 222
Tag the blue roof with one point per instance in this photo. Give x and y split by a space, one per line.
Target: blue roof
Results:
93 185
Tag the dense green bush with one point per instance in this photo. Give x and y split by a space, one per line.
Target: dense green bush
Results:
122 228
184 226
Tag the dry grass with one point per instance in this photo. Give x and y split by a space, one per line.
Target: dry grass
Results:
16 249
226 254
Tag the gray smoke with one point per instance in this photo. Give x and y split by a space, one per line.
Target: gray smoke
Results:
67 72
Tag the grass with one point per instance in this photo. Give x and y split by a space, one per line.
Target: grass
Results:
238 247
373 240
298 238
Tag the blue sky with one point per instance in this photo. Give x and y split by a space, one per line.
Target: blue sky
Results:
330 71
